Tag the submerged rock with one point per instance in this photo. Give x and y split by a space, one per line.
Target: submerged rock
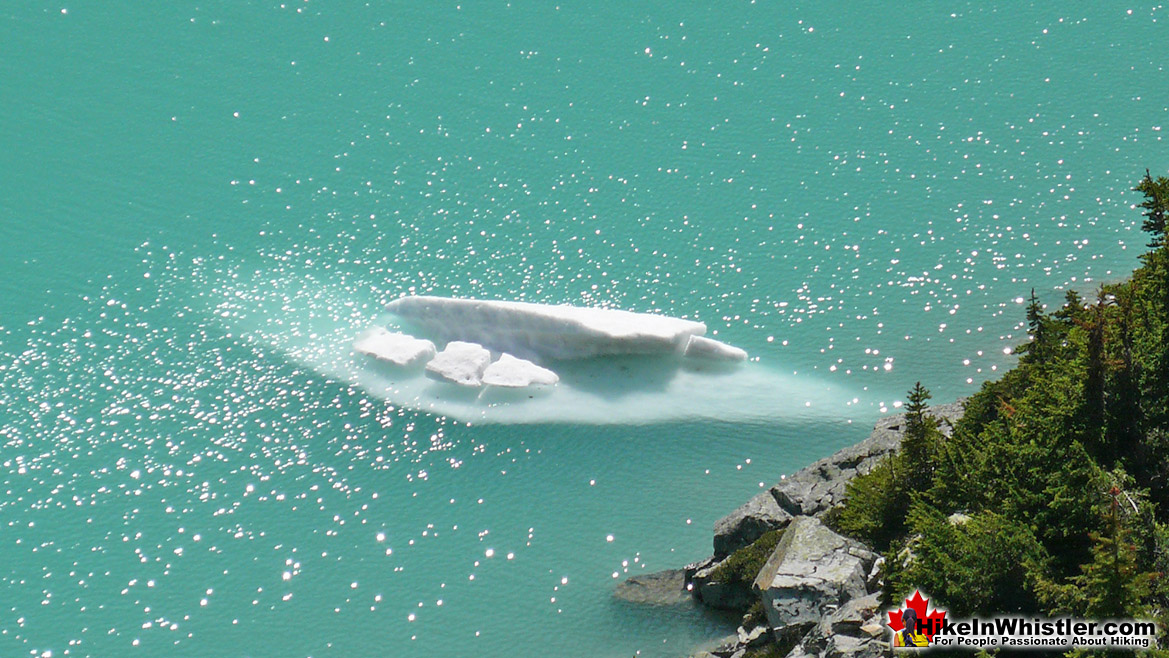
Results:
661 588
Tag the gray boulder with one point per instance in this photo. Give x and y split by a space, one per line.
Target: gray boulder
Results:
854 631
839 646
661 588
811 574
755 637
747 523
717 594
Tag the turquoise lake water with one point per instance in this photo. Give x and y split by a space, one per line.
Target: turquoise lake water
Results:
194 198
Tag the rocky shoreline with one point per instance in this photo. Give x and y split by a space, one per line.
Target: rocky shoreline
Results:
806 590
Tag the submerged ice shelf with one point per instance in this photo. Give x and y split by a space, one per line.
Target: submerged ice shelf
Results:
481 339
600 382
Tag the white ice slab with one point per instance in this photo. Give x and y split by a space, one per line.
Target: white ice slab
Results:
546 331
708 348
512 372
460 363
396 348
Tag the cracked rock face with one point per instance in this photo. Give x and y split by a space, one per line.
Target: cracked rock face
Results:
856 630
811 574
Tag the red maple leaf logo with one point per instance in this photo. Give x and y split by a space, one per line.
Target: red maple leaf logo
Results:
920 605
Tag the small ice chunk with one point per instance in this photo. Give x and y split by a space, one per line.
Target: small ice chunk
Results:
399 349
460 363
512 372
708 348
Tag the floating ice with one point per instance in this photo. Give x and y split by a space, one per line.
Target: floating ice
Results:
708 348
314 327
511 372
460 363
542 331
395 348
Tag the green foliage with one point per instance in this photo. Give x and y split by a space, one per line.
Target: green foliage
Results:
976 566
769 650
1036 329
1112 584
742 566
1072 310
1156 207
876 506
878 501
919 446
755 615
1060 468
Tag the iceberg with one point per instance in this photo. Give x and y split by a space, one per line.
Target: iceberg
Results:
314 326
460 363
398 349
512 372
544 331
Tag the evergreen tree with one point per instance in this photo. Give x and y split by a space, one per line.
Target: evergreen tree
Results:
919 444
1156 207
1036 329
1111 584
975 565
1153 341
917 401
1073 308
1028 462
1094 384
877 506
1123 395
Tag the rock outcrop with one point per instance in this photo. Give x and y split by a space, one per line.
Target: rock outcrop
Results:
813 490
856 630
748 523
715 593
819 590
812 573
